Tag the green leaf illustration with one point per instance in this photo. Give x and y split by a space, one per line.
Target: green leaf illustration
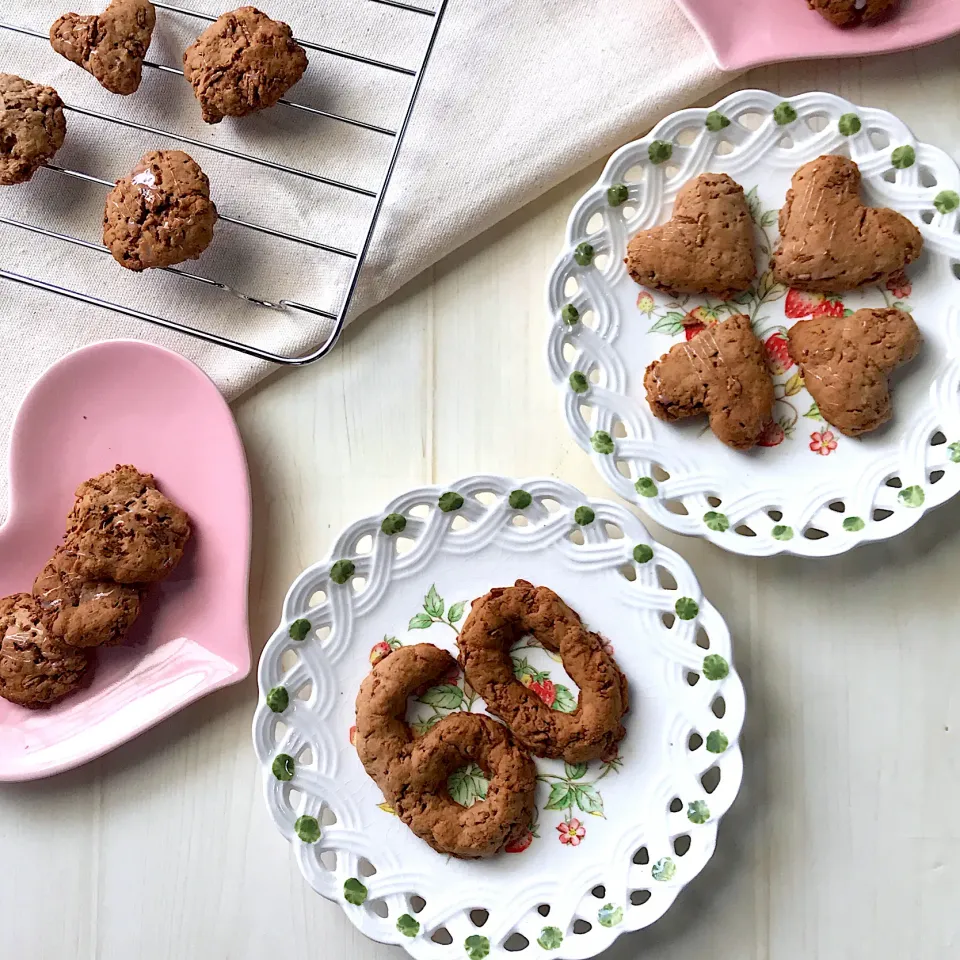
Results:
769 218
444 696
698 812
477 947
716 121
561 797
670 323
394 523
467 785
753 203
954 449
299 629
450 501
565 701
420 621
646 487
602 442
853 524
578 382
307 829
946 201
609 915
584 516
420 727
433 602
617 194
588 799
584 254
687 608
849 124
664 869
278 699
716 521
342 571
784 113
354 891
519 499
643 553
550 938
574 771
283 766
782 532
911 496
717 741
408 925
660 151
814 412
715 667
903 157
456 611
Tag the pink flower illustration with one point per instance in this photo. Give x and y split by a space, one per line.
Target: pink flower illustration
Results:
823 443
571 832
645 302
900 286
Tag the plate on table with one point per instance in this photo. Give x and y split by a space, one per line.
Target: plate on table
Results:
747 33
807 489
130 402
612 843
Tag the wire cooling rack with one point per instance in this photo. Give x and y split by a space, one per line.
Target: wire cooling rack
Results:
356 257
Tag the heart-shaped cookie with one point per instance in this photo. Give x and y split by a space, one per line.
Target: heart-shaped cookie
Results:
707 247
829 241
846 364
124 401
110 45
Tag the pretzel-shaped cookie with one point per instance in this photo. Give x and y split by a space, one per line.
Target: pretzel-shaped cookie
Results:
501 618
412 773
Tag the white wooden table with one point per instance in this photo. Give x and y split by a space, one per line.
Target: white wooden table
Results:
844 843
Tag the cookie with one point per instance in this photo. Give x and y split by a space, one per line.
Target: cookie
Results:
110 45
161 214
32 127
242 63
851 13
36 668
122 528
721 371
81 612
830 242
846 363
504 616
707 247
412 773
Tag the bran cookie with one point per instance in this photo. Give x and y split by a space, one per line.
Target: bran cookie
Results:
122 528
500 619
707 247
412 773
830 242
32 127
161 214
852 13
722 372
846 363
36 668
111 45
243 63
81 612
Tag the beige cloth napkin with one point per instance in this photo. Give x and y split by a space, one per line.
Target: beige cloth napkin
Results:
519 95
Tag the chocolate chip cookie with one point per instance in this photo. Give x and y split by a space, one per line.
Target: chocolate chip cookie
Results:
852 13
32 127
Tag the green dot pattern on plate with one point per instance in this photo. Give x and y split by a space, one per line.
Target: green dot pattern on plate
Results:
853 524
716 121
609 915
715 667
584 254
664 869
283 766
903 157
646 487
687 608
617 194
849 124
408 926
643 553
954 449
307 828
393 523
278 699
342 571
578 382
717 741
717 522
354 891
782 532
946 201
519 499
450 501
698 812
570 314
911 496
477 947
584 516
299 629
602 442
784 113
550 938
660 151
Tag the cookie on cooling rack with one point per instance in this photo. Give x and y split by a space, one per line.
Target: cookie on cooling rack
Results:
110 45
32 127
36 668
243 63
852 13
161 214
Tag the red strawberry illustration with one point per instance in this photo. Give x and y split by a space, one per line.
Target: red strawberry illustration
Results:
900 286
772 435
518 846
777 348
545 690
353 736
380 650
829 308
801 304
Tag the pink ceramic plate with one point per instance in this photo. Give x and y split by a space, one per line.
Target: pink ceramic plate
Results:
130 402
747 33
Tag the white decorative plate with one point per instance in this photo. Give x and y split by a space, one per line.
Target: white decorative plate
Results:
612 844
809 490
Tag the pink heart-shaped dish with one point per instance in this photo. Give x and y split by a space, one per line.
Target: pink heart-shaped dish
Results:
747 33
130 402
